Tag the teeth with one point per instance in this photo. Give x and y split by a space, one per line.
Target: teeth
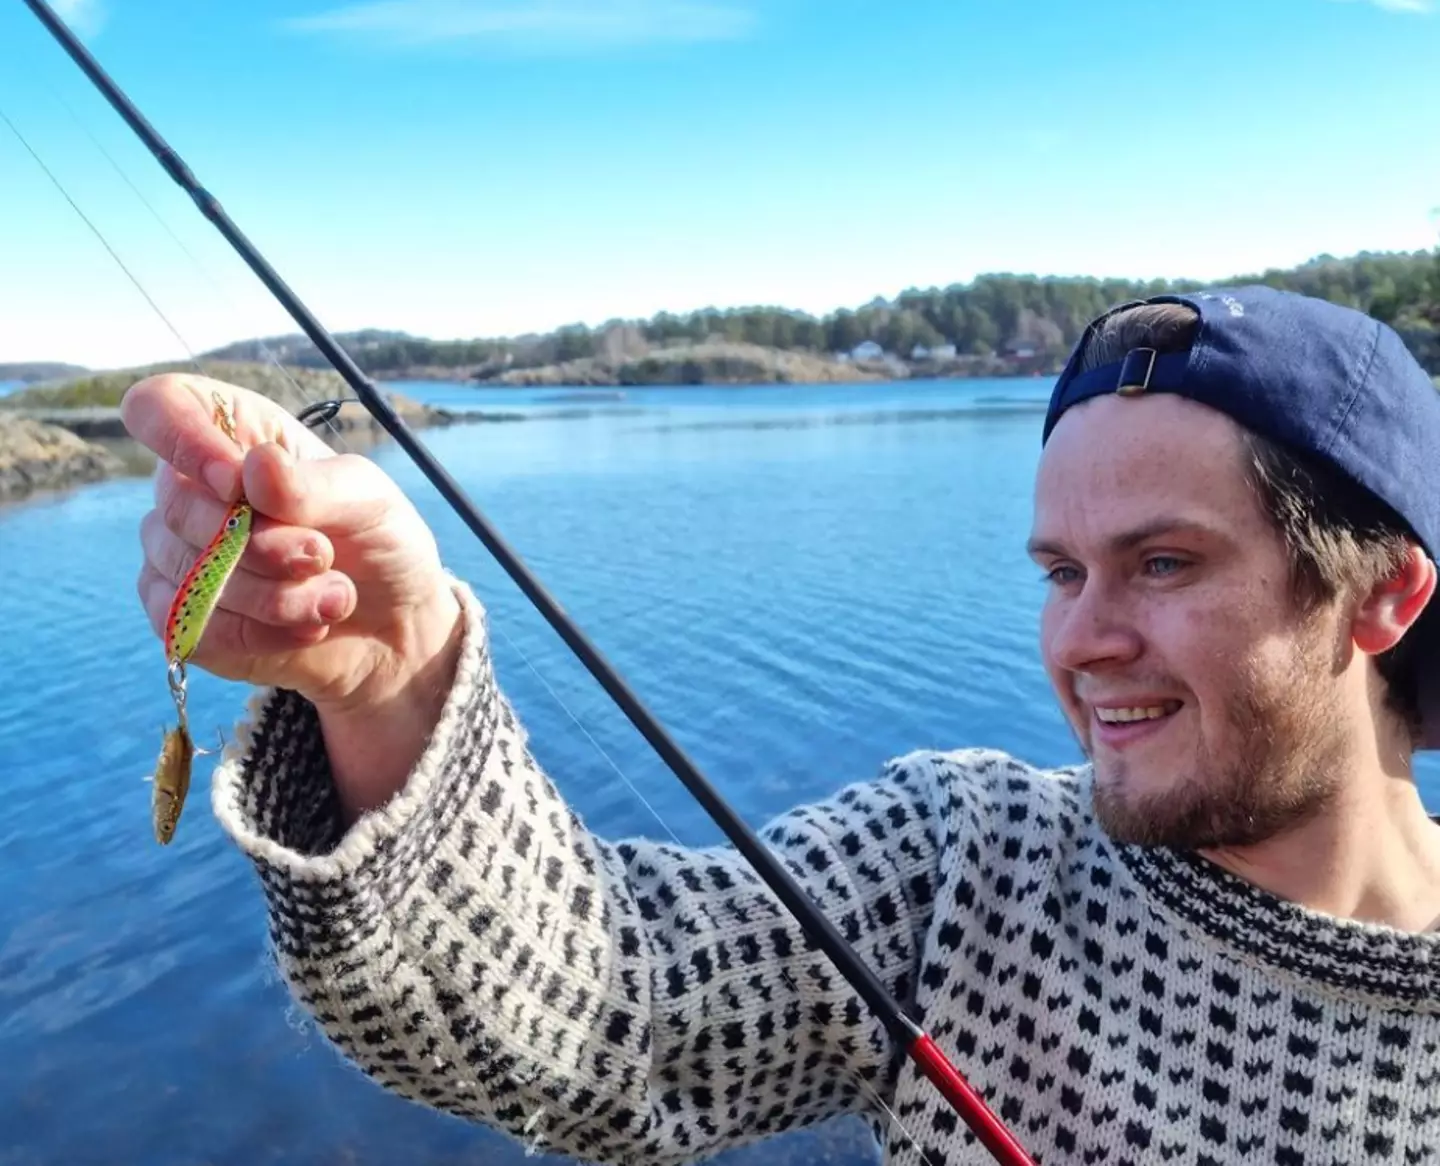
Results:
1141 713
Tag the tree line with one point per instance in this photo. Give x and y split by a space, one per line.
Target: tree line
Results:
1029 319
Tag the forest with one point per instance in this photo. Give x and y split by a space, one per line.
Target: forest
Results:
994 324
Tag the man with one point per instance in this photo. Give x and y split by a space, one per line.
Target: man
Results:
1212 944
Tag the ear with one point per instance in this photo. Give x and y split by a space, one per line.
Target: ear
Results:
1394 604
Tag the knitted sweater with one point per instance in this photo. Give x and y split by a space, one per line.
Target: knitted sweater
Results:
473 947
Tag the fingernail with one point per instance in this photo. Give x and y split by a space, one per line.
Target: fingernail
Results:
306 561
333 604
304 566
223 478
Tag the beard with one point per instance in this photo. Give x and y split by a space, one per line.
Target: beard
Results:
1282 764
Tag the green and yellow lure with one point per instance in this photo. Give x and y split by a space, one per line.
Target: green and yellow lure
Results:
199 591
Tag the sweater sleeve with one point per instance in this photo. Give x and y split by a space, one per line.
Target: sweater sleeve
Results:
472 947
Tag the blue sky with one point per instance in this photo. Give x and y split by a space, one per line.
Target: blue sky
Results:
482 167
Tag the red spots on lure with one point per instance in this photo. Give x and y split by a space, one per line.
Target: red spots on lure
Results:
199 592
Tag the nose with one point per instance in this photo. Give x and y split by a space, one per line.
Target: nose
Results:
1088 629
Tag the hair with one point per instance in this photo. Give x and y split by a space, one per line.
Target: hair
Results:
1338 535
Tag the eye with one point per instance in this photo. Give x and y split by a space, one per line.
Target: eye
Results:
1062 573
232 522
1163 564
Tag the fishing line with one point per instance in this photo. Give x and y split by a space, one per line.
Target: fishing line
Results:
322 413
303 401
664 825
14 129
909 1036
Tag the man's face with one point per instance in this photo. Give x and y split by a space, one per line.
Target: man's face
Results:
1210 707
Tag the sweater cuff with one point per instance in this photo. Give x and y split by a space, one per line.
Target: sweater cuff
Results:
274 794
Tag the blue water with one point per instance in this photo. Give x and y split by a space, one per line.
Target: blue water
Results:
800 582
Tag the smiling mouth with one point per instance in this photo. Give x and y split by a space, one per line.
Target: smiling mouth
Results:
1133 713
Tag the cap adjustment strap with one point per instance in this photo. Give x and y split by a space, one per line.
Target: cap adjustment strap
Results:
1135 372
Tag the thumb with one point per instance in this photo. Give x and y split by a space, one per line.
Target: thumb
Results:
168 415
174 416
344 493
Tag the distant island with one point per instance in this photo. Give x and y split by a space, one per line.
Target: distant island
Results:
28 372
998 325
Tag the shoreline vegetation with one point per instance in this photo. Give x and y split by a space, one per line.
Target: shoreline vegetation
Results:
997 326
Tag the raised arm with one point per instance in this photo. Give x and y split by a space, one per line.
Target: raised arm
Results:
472 946
435 903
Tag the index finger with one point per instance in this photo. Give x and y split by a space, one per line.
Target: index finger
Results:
173 415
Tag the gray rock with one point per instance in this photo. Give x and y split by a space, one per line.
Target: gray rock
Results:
36 456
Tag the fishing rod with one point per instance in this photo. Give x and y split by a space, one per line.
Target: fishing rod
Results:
918 1045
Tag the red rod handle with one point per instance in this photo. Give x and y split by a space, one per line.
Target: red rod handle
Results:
968 1103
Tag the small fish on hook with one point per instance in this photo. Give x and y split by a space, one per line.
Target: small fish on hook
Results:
172 774
172 782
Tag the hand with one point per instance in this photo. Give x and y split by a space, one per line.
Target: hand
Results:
340 594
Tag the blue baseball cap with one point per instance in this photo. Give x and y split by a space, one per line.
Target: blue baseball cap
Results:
1326 380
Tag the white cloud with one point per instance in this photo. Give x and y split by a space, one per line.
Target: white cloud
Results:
584 24
83 16
1413 7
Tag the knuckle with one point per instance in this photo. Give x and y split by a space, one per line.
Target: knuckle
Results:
179 558
175 508
166 479
160 545
272 550
246 637
287 605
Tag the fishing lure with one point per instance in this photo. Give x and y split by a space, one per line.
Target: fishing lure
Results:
172 774
199 592
172 781
195 601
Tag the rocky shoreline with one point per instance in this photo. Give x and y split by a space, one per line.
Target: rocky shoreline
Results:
49 448
35 456
694 364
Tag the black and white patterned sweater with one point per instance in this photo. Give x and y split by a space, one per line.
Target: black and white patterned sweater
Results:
473 947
